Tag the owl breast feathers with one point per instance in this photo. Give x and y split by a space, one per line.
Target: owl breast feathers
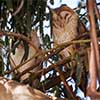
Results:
15 59
66 27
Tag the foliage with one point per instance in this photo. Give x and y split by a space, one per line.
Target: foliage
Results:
23 17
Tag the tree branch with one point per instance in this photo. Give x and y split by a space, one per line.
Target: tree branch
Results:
19 36
90 5
19 8
94 66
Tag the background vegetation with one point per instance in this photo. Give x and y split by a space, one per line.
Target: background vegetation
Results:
18 18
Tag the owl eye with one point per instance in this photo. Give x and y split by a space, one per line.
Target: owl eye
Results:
64 14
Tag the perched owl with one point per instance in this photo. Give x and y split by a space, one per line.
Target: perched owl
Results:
16 58
66 27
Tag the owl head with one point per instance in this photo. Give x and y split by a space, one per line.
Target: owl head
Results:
64 16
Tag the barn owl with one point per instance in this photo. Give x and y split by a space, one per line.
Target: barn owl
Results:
66 27
16 58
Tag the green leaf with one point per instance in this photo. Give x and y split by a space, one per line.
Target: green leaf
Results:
26 49
79 70
46 41
6 41
1 65
9 4
2 42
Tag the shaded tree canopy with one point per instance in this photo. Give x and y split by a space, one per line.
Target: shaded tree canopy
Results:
21 19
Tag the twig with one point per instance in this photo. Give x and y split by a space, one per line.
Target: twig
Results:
83 7
96 10
64 81
19 36
58 63
51 52
19 8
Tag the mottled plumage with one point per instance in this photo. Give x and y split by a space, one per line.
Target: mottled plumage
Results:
16 58
66 27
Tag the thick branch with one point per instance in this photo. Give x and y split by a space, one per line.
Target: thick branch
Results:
90 5
94 67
